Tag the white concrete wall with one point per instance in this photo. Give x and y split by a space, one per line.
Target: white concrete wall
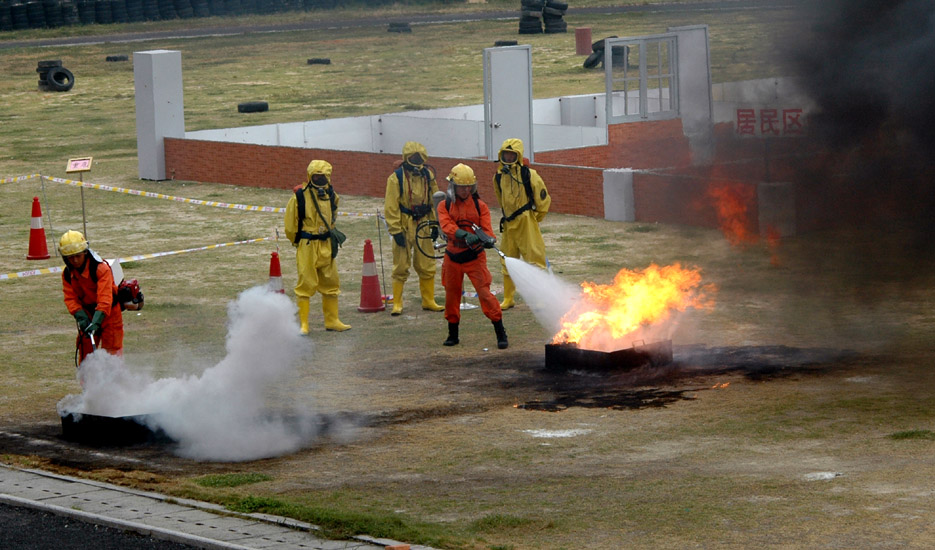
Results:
618 195
157 77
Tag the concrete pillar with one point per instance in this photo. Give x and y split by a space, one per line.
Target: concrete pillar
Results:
583 41
618 195
776 208
157 76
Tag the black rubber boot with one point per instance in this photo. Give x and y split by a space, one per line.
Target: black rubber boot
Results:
502 342
452 335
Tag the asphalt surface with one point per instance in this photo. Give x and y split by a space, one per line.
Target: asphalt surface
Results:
416 19
40 510
19 527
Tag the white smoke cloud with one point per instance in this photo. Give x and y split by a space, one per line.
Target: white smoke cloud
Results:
548 296
220 414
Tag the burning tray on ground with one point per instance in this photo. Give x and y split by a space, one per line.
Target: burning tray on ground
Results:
109 430
570 357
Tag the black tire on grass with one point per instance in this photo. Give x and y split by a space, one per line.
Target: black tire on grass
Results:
113 58
60 79
253 107
319 61
499 43
599 45
556 4
594 59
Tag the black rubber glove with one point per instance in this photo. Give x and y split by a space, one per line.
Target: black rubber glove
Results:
434 232
461 234
95 323
400 239
471 239
83 320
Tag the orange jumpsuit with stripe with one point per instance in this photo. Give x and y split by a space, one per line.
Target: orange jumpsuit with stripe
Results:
460 215
81 292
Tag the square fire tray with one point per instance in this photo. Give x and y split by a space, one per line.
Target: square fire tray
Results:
571 357
109 431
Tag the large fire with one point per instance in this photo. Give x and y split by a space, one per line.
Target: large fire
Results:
634 301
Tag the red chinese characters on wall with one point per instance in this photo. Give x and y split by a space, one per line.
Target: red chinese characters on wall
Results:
770 122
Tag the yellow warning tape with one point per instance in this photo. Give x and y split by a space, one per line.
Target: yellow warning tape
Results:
137 192
19 178
58 269
216 204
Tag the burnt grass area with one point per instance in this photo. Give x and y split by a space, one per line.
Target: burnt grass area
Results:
519 380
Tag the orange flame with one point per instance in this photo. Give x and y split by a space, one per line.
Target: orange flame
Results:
634 300
731 206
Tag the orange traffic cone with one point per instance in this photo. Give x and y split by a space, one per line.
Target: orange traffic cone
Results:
275 274
370 298
37 247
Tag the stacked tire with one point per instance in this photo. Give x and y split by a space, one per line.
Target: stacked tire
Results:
553 16
54 77
530 18
31 14
535 13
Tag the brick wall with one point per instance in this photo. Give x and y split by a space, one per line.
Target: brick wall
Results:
676 192
575 190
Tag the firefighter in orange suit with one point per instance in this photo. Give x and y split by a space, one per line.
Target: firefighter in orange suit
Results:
459 216
408 201
90 296
310 226
524 202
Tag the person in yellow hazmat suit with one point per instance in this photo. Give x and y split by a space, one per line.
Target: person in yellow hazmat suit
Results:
310 226
408 202
524 202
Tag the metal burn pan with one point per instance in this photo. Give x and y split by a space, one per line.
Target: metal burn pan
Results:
571 357
109 431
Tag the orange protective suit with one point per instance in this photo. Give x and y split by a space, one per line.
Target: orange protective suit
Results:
82 292
460 215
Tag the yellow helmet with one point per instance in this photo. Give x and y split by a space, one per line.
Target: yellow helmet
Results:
71 243
462 174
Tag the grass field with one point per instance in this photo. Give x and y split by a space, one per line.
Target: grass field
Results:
798 413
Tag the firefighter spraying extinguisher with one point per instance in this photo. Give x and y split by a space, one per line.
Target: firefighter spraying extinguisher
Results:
91 298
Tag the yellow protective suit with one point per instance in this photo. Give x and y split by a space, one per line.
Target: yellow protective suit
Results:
317 270
520 237
407 203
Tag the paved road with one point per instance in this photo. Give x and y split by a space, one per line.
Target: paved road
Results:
28 529
40 510
417 19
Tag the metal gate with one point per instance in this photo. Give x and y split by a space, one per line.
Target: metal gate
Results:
641 76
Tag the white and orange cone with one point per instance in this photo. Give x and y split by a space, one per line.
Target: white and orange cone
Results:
38 250
275 274
370 298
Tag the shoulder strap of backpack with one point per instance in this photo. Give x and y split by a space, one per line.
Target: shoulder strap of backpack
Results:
300 211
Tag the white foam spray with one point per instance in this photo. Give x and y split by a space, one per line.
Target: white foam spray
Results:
220 414
550 298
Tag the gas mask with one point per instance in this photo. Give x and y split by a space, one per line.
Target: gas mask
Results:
507 158
320 183
414 162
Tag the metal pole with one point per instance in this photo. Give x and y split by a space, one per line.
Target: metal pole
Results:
84 218
48 210
382 272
